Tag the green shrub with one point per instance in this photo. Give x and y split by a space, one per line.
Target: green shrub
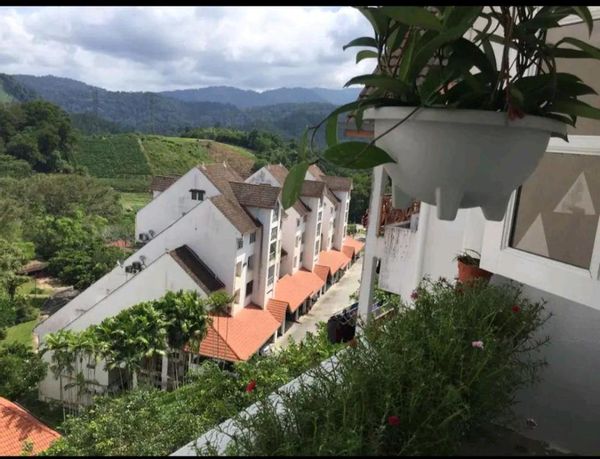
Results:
147 421
417 383
351 229
21 370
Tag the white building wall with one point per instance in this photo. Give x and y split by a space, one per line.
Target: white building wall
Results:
341 221
311 236
291 230
204 229
245 275
163 275
566 402
263 176
172 203
327 229
263 291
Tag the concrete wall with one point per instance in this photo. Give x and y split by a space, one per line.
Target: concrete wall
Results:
172 203
311 236
205 229
566 403
329 213
163 275
290 231
341 220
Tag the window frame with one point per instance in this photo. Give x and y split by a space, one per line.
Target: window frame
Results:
581 285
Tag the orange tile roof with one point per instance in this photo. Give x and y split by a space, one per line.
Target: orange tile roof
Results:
333 259
295 289
348 251
278 309
18 426
350 241
239 337
321 271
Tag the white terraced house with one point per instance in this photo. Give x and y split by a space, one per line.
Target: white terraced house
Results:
210 230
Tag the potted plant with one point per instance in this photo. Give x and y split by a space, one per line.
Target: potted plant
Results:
464 101
468 267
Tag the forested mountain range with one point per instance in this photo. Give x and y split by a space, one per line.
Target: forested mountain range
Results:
286 111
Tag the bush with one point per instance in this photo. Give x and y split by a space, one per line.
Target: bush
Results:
417 383
351 229
21 370
147 421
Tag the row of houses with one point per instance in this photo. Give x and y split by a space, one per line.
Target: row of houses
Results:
211 230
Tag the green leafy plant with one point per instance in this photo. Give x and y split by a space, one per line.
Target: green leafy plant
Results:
415 384
444 57
468 259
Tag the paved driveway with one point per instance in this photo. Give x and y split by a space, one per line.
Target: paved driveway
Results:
334 300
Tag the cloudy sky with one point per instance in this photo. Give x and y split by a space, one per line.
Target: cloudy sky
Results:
151 48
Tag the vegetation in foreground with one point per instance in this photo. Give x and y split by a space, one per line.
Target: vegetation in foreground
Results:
147 421
417 384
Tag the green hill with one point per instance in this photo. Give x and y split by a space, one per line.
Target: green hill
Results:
128 161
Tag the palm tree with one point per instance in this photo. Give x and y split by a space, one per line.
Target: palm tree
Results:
220 303
60 344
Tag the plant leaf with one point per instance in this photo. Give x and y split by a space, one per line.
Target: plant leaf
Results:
331 129
574 107
357 155
584 13
591 50
380 81
413 16
361 41
293 184
365 54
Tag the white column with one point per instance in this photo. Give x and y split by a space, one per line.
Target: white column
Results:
367 284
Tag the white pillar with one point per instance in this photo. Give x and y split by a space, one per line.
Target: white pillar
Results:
367 284
164 374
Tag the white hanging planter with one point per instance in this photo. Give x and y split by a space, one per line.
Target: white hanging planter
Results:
460 158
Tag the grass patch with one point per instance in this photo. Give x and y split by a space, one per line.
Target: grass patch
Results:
112 155
131 183
172 155
21 333
29 288
134 201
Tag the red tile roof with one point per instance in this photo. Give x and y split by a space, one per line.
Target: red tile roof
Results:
348 251
333 259
162 182
18 426
239 337
295 289
356 246
277 309
321 271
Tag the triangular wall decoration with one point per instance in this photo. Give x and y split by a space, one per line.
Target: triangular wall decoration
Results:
534 239
577 200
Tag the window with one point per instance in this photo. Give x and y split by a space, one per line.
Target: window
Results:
251 262
303 237
272 250
297 222
273 233
236 296
317 247
276 213
304 218
249 287
197 195
320 215
298 238
238 269
240 242
271 276
550 235
252 237
301 256
319 228
295 261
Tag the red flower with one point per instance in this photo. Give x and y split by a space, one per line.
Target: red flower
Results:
516 308
393 420
414 295
251 386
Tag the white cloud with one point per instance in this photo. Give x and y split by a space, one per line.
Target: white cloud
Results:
151 48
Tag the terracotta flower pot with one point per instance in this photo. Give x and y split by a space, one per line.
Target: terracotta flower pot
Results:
468 273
